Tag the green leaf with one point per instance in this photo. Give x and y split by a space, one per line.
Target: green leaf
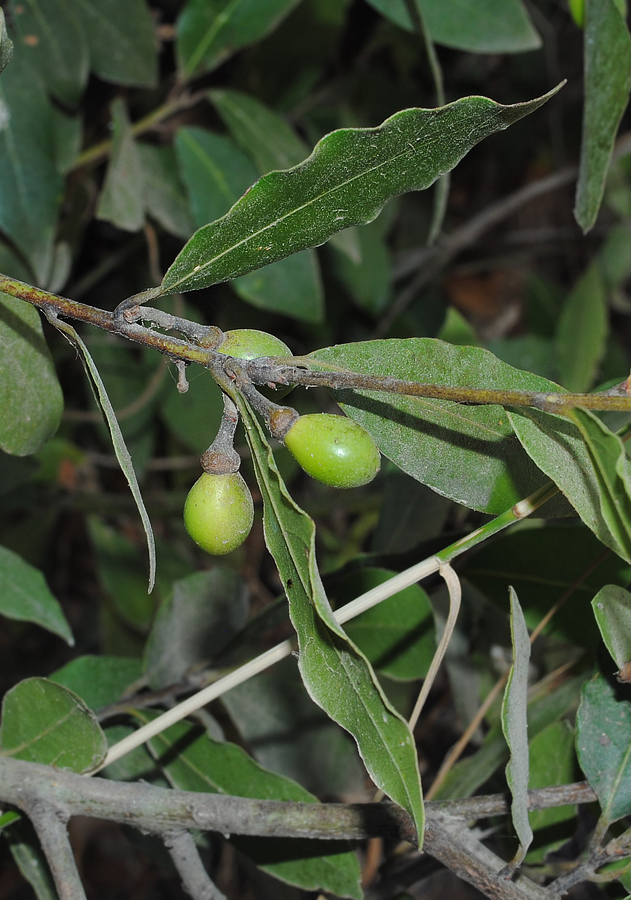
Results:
467 453
552 762
612 609
603 745
30 395
99 680
607 77
195 623
582 332
30 859
24 596
194 417
121 39
368 275
346 181
118 442
46 723
164 196
6 44
209 31
259 131
286 732
396 636
30 184
487 26
612 470
336 675
122 198
192 761
216 172
54 45
515 728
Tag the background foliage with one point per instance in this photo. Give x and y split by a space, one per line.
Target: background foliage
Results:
127 125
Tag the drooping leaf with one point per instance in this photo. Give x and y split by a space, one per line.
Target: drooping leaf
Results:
25 596
30 394
118 442
6 44
209 31
336 675
346 181
487 26
30 184
612 610
582 332
216 172
122 198
212 766
54 45
46 723
603 745
466 453
121 39
195 623
515 728
607 77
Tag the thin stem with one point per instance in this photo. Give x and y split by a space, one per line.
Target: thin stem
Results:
52 833
185 855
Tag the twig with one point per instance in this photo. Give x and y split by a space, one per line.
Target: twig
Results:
185 856
50 825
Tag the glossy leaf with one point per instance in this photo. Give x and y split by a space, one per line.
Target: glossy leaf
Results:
607 77
118 442
346 181
487 26
216 172
603 745
6 44
25 596
122 198
515 728
54 45
336 675
30 184
30 395
582 332
612 610
121 39
46 723
209 31
466 453
195 623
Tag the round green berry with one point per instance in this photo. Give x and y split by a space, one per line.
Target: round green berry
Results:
248 343
218 512
333 449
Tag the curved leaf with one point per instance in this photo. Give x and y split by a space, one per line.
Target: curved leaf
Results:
346 181
337 676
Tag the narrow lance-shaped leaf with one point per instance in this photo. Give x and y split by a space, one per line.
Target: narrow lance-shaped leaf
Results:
118 442
515 728
337 676
346 181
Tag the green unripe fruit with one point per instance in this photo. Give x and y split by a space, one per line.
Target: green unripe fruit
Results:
248 343
333 449
218 512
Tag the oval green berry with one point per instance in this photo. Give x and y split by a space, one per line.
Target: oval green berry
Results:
218 512
248 343
333 449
